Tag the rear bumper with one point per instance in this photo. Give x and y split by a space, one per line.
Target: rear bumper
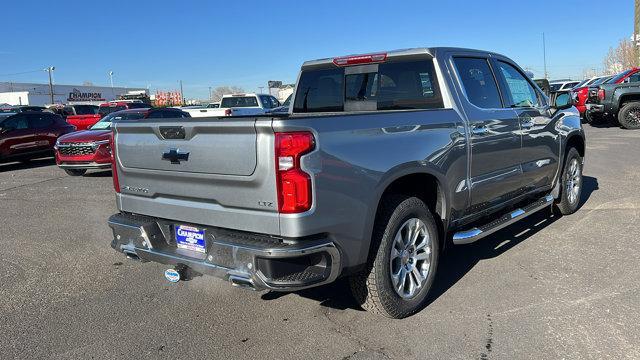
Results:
595 108
249 260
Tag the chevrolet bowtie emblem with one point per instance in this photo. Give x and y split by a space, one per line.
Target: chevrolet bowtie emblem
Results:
175 156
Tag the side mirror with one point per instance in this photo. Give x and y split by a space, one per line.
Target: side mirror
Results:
563 101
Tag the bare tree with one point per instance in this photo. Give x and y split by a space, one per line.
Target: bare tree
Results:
217 93
620 58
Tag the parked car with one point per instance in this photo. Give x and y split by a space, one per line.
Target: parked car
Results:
581 92
385 160
238 105
81 116
113 106
284 109
89 149
23 108
30 134
606 101
562 85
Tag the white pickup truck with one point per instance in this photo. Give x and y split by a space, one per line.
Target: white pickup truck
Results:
238 105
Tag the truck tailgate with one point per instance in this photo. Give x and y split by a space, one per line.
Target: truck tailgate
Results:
210 171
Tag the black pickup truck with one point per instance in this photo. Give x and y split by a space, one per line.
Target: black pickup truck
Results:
616 100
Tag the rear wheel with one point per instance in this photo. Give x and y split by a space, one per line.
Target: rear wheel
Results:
403 260
629 115
75 172
571 189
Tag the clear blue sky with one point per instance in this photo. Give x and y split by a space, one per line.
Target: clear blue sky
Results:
246 43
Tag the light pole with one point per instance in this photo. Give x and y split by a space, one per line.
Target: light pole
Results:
50 70
111 78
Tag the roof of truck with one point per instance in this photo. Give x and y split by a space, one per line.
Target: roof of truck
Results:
430 51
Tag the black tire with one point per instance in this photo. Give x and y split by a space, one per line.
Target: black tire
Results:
568 203
593 119
629 115
75 172
373 288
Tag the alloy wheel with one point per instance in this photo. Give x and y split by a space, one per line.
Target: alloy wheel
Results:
411 256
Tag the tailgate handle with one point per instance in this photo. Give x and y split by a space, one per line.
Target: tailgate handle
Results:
172 132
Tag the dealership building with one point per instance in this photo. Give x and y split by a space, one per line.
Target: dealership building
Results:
39 94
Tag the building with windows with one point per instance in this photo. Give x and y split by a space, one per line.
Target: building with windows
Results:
39 94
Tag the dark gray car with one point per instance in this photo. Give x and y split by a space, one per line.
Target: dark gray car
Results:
385 160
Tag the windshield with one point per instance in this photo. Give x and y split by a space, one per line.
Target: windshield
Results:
86 109
239 101
618 77
600 81
105 110
105 122
582 83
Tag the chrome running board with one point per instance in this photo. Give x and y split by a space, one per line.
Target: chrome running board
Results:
477 233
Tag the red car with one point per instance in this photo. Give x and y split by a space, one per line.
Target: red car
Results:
81 116
582 92
30 134
89 149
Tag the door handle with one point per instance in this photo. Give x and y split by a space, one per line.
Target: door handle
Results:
479 130
527 124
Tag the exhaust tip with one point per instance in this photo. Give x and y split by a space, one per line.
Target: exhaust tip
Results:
131 255
242 282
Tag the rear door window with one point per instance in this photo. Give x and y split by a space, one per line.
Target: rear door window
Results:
633 78
520 91
39 121
18 122
86 110
478 82
239 101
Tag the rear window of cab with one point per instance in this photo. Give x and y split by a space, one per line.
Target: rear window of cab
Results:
399 85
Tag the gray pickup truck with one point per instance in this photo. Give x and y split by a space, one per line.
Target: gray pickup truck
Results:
383 161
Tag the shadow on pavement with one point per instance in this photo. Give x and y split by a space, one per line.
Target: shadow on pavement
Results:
100 173
455 263
604 124
27 164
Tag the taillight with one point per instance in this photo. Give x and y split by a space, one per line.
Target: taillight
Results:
360 59
294 185
601 94
228 112
114 167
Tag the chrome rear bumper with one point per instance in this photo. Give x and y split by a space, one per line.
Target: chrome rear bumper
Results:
248 260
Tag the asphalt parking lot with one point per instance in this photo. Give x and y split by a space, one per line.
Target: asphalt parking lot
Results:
550 288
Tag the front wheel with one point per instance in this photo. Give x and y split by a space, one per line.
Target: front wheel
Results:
571 189
629 115
403 260
75 172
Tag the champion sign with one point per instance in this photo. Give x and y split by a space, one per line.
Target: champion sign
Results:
190 238
77 95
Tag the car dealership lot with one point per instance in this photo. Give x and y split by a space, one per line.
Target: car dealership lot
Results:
547 287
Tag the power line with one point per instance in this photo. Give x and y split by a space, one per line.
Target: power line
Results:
24 72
